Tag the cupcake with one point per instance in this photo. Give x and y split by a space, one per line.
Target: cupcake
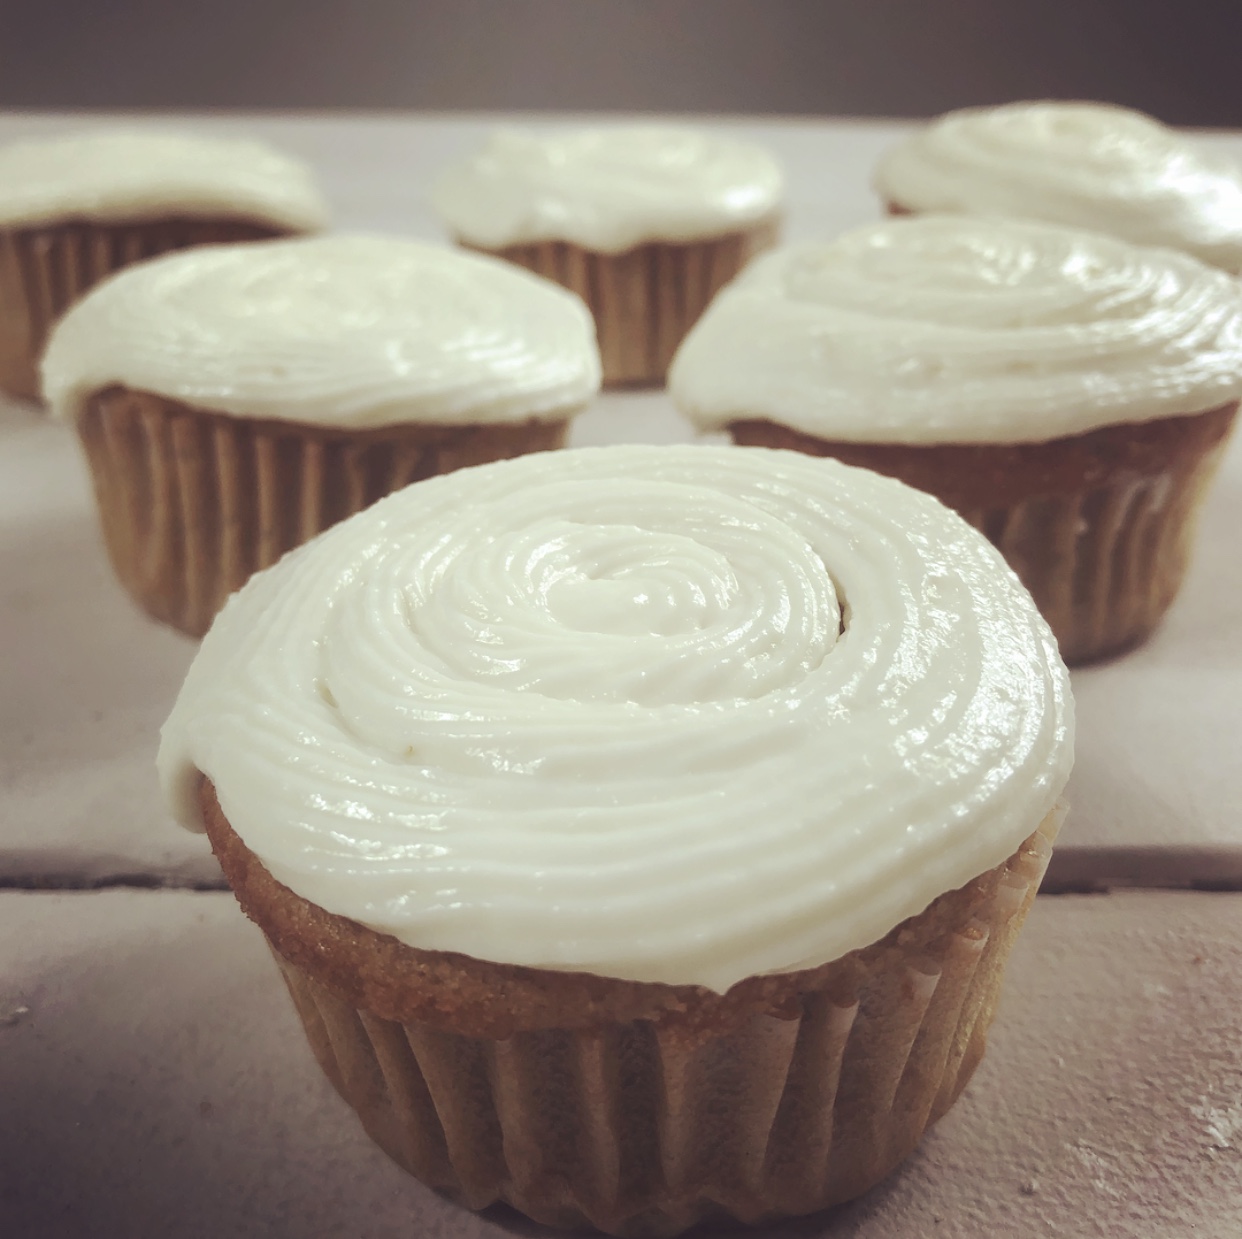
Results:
645 224
640 831
233 401
1067 393
1084 165
75 209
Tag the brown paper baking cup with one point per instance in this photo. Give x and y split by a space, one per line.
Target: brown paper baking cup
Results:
193 502
644 300
43 271
638 1108
1099 527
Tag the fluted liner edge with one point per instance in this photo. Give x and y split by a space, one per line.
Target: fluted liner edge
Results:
638 1130
193 502
1102 545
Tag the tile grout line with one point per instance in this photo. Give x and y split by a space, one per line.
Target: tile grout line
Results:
1144 868
1071 871
1054 885
42 884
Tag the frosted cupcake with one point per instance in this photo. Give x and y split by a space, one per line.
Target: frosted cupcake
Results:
235 400
74 209
1084 165
645 224
1067 393
611 829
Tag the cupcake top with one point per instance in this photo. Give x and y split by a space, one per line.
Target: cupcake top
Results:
684 714
955 329
114 176
337 331
607 189
1087 165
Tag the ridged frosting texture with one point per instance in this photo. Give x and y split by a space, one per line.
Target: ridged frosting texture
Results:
607 189
127 175
1087 165
340 331
684 714
944 329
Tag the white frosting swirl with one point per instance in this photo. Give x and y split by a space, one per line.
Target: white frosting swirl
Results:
607 189
123 175
685 714
947 329
1086 165
356 331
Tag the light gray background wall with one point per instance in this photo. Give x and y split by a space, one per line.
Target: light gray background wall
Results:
1181 61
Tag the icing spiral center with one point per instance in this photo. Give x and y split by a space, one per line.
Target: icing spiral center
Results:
652 597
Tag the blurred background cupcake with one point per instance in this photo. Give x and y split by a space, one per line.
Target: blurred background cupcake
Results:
1068 393
1085 165
75 208
645 224
235 400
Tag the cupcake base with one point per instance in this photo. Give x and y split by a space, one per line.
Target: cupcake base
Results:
646 299
193 502
642 1108
1098 526
43 271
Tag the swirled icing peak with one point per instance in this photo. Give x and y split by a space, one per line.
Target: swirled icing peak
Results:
956 329
359 331
607 189
130 175
1086 165
685 714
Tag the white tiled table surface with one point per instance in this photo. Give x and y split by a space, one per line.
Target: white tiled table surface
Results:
155 1083
143 1088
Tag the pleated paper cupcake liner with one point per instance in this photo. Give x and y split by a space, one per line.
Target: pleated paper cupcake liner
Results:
644 300
192 503
1103 566
640 1128
1099 527
43 271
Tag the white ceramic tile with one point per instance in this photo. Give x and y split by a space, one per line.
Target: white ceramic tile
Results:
1159 751
85 682
155 1082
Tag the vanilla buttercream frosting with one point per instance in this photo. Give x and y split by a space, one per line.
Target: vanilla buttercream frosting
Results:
607 189
683 714
956 329
1086 165
335 330
133 175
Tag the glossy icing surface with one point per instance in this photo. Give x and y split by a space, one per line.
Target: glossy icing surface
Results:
607 189
956 329
341 331
684 714
1085 165
119 175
